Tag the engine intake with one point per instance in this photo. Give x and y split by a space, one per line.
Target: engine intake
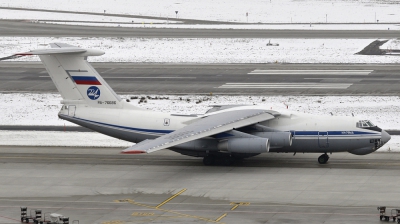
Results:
245 145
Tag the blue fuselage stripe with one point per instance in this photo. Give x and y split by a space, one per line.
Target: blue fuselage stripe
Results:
128 128
295 133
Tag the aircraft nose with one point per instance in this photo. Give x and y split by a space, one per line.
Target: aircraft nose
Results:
385 137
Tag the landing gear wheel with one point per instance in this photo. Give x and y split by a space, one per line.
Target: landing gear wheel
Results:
228 161
208 160
323 159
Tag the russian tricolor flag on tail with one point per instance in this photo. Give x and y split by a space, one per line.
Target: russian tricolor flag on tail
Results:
86 80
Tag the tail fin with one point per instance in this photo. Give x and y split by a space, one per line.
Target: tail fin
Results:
76 80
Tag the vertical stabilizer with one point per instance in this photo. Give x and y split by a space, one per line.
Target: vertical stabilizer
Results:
76 80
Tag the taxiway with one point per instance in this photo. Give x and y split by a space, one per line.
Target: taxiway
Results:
99 185
25 28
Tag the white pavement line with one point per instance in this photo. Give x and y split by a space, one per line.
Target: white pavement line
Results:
287 85
310 72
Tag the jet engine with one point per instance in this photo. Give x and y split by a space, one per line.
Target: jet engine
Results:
245 145
277 139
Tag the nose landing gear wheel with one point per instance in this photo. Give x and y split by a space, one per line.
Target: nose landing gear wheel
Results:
323 159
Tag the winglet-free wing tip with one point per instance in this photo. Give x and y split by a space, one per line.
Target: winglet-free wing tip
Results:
133 152
14 56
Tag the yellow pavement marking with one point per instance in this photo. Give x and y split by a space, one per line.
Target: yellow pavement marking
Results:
234 207
240 203
172 197
113 222
221 217
179 215
174 212
156 218
236 204
143 214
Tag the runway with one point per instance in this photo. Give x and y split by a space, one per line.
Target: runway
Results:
22 28
99 185
232 79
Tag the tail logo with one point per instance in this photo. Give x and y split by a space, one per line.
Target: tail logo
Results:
93 93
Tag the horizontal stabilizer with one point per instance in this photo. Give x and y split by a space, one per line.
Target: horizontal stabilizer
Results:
57 49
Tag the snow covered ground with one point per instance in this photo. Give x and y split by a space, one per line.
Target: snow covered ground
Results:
287 11
209 50
97 20
42 109
56 138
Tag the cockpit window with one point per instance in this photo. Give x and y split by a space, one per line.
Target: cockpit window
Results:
370 124
365 124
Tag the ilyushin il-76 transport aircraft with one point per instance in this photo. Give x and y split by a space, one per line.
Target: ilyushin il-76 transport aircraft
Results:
224 133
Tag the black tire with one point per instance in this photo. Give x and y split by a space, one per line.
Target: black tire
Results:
322 159
327 158
208 161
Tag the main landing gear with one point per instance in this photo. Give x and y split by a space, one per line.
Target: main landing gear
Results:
323 158
208 160
214 160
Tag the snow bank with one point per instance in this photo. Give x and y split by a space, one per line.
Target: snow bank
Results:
56 138
207 50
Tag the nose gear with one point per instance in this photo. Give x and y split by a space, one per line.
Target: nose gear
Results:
323 158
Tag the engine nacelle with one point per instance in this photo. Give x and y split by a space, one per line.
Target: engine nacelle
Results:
277 139
245 145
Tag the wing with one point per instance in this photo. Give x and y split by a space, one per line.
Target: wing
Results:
204 127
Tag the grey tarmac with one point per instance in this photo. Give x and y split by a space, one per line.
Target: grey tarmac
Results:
220 79
99 185
23 28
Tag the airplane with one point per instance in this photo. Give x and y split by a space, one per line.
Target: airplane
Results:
224 134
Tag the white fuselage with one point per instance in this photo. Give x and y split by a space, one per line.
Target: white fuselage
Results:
311 133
